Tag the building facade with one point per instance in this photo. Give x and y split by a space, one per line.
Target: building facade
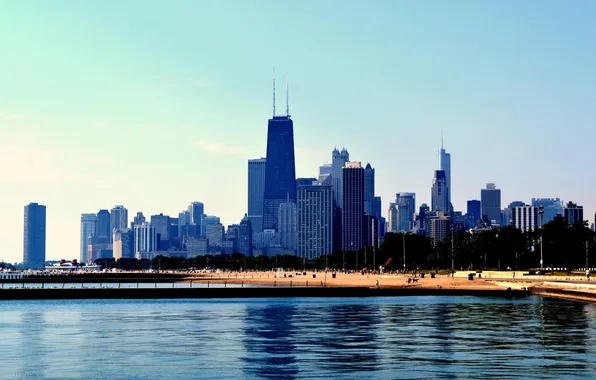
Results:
525 217
34 236
245 236
490 201
315 221
287 220
574 213
353 206
445 165
369 190
88 223
145 239
474 211
551 207
280 169
256 192
118 218
123 244
406 210
104 224
215 235
440 193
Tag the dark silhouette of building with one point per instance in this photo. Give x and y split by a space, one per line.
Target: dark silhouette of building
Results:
104 224
353 206
574 213
34 237
280 169
369 190
474 211
256 192
245 237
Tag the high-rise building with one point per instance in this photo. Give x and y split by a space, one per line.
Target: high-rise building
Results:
377 207
138 220
215 235
439 227
353 206
287 220
525 217
207 220
162 229
145 240
369 189
280 168
423 227
507 213
99 248
490 199
574 213
118 218
256 192
339 160
445 165
123 244
197 212
315 221
392 215
474 210
104 224
551 208
406 209
325 174
34 236
440 192
88 222
245 237
183 221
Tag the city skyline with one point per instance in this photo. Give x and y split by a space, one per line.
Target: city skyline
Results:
57 149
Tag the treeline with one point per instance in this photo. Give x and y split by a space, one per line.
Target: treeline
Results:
564 246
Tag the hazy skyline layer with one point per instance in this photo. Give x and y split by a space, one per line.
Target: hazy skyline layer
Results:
156 104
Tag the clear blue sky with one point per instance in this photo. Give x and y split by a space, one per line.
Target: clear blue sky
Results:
155 104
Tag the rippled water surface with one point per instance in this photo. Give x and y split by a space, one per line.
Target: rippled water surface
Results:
380 338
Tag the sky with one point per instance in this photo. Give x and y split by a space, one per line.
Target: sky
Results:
154 104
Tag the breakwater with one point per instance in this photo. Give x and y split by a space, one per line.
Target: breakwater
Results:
568 294
248 292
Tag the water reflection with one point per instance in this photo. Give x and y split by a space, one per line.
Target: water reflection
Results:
269 342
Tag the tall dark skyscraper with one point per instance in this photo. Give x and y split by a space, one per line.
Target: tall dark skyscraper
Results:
280 169
474 210
440 192
353 207
490 202
34 236
445 165
369 190
103 228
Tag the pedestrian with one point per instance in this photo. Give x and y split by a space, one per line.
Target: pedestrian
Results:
588 274
377 283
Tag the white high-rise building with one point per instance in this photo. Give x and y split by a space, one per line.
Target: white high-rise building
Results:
145 240
315 221
525 218
88 224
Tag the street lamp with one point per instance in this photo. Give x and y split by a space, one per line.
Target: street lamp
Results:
541 213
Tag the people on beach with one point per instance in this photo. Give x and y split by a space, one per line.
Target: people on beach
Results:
588 274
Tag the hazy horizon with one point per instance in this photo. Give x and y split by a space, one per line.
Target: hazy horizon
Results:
152 104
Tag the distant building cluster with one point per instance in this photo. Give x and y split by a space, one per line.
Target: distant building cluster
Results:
308 217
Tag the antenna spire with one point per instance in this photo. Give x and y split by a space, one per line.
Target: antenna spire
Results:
287 98
441 139
273 91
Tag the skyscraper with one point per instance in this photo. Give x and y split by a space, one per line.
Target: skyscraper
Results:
440 193
88 223
474 210
118 218
161 223
123 246
34 236
551 207
353 206
377 207
315 221
215 235
369 189
574 213
104 223
392 215
339 160
280 168
507 213
245 237
445 165
145 240
406 209
325 174
256 192
197 211
287 220
490 199
525 217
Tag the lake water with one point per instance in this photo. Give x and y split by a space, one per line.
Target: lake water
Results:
336 338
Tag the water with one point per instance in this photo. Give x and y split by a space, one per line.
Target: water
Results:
341 338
